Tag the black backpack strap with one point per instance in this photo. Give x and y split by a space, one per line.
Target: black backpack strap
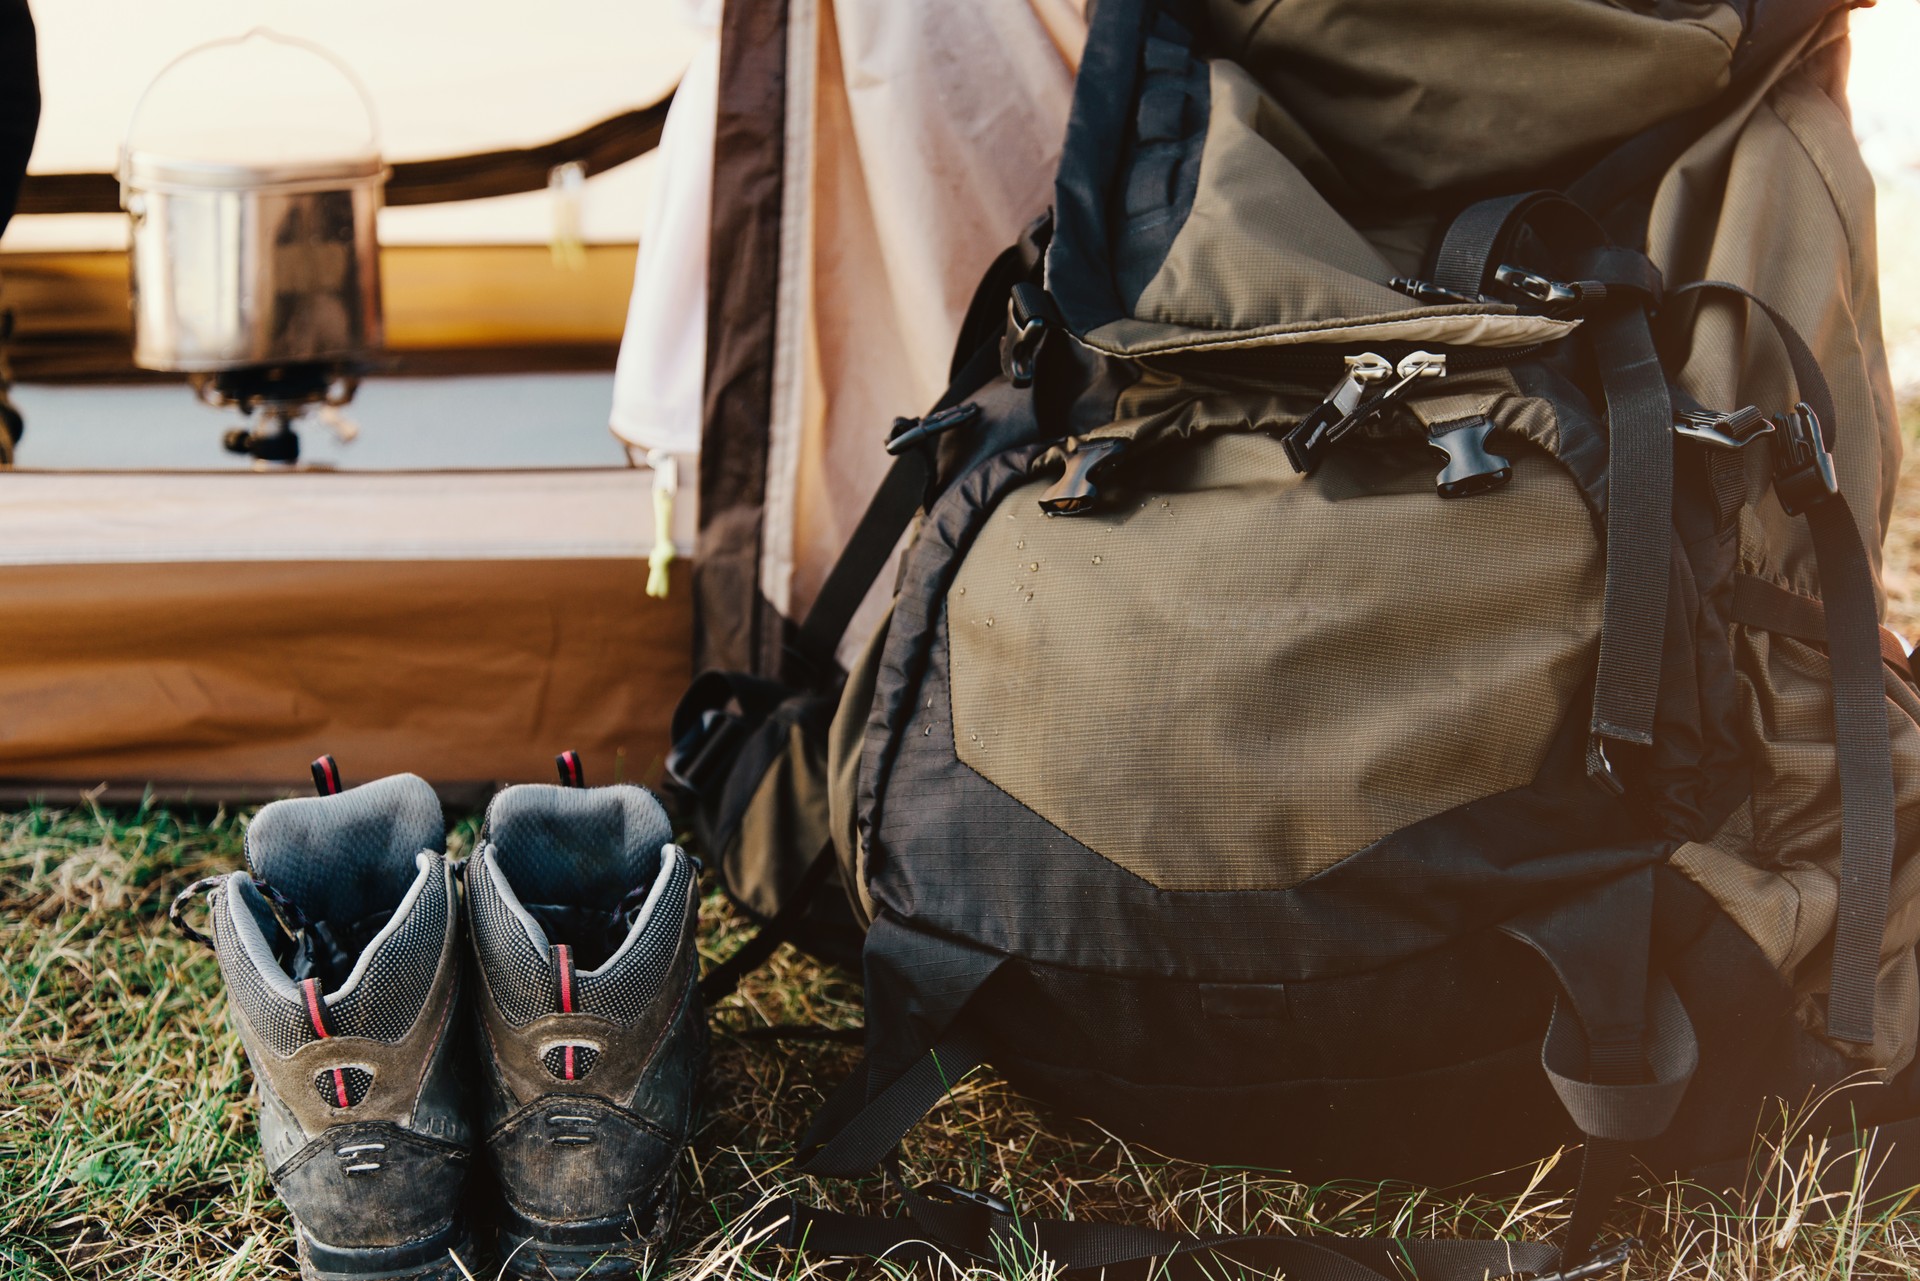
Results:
1804 479
1619 1051
947 1224
1616 290
903 489
857 1130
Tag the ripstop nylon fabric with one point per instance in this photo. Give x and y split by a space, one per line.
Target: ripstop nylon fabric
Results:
1271 671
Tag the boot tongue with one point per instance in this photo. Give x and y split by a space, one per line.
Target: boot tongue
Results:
565 846
346 859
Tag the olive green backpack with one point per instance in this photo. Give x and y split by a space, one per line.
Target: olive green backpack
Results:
1387 679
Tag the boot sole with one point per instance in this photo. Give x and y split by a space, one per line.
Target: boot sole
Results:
529 1249
428 1260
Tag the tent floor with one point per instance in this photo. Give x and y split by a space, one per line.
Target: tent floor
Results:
463 597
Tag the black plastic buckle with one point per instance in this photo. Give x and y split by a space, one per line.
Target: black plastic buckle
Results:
1431 294
1803 474
1471 467
1029 315
1736 430
1555 297
908 432
1075 492
1598 1263
966 1196
704 751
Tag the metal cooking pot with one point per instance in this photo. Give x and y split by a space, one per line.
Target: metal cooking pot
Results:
252 261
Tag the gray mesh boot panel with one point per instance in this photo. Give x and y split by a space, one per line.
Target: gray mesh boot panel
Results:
591 1061
342 965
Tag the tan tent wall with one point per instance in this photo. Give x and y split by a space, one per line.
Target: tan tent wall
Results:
212 633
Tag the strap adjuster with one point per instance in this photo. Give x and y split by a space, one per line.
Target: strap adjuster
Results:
1597 1264
966 1196
1803 474
908 432
1555 297
1030 313
1734 430
704 751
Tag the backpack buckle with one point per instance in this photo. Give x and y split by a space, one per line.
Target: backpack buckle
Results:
1075 492
1803 474
1555 297
1471 467
1029 314
908 432
1734 430
966 1196
704 751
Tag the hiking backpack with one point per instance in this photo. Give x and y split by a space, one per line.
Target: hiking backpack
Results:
1387 678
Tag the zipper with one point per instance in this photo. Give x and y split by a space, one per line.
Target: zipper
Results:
1349 404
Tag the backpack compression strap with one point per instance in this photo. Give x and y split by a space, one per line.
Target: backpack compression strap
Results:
1863 747
1621 288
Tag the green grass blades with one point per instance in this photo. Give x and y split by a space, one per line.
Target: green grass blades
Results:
127 1148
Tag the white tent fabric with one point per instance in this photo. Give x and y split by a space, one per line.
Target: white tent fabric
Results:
921 139
656 386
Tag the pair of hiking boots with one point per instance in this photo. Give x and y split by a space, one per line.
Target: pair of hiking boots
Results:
563 1035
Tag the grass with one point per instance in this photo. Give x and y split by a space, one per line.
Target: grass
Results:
126 1139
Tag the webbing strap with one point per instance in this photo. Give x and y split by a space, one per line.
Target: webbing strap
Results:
1762 603
721 981
1863 746
1639 439
1479 233
1633 611
904 487
854 1133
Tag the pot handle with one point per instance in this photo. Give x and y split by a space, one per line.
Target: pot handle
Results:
263 33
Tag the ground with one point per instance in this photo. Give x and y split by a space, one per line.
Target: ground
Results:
126 1140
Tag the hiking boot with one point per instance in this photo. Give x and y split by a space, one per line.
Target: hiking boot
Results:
342 964
591 1029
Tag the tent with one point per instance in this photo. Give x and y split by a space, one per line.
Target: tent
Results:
461 591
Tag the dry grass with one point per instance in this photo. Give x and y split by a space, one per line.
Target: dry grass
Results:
126 1144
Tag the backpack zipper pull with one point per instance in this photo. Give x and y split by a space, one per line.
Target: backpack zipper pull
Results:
1344 409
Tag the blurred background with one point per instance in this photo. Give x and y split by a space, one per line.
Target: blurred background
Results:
451 78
